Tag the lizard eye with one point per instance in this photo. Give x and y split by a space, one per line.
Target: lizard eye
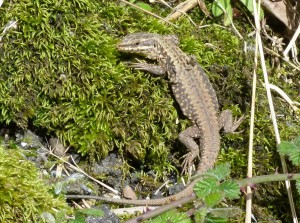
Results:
136 43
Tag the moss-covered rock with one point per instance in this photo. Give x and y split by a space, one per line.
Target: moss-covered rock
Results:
60 71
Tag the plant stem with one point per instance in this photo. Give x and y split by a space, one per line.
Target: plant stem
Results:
268 178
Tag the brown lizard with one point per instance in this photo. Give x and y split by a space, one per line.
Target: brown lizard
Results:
195 96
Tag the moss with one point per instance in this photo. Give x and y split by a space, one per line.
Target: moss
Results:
61 72
24 197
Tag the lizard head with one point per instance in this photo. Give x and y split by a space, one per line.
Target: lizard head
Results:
144 44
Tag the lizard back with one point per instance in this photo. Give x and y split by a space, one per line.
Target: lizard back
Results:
190 85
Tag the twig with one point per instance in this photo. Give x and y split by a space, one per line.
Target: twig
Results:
285 59
251 138
178 203
162 209
133 210
285 97
292 42
182 8
10 25
150 13
77 168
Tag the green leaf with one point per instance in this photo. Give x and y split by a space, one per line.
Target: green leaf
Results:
213 199
284 147
216 10
220 7
213 187
220 172
200 215
249 6
144 6
291 149
206 186
231 189
226 212
228 16
79 218
212 219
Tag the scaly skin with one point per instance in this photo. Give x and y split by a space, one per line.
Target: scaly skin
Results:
191 88
195 96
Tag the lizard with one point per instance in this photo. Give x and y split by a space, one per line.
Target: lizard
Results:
196 98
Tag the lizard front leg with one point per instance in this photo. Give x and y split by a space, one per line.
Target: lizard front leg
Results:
151 68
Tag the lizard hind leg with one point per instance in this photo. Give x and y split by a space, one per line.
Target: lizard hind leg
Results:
226 121
187 137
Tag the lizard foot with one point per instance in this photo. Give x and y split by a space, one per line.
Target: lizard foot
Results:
226 121
188 161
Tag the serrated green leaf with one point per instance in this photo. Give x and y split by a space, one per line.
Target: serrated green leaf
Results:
206 186
284 147
296 142
213 198
294 156
220 172
200 215
231 189
291 150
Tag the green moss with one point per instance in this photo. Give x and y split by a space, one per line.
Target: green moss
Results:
61 71
24 197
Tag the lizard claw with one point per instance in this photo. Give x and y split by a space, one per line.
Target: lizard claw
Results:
188 162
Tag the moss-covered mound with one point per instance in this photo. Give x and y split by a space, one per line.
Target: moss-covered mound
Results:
24 197
60 71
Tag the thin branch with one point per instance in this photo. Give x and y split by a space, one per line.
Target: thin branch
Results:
292 42
147 12
285 97
251 137
77 168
